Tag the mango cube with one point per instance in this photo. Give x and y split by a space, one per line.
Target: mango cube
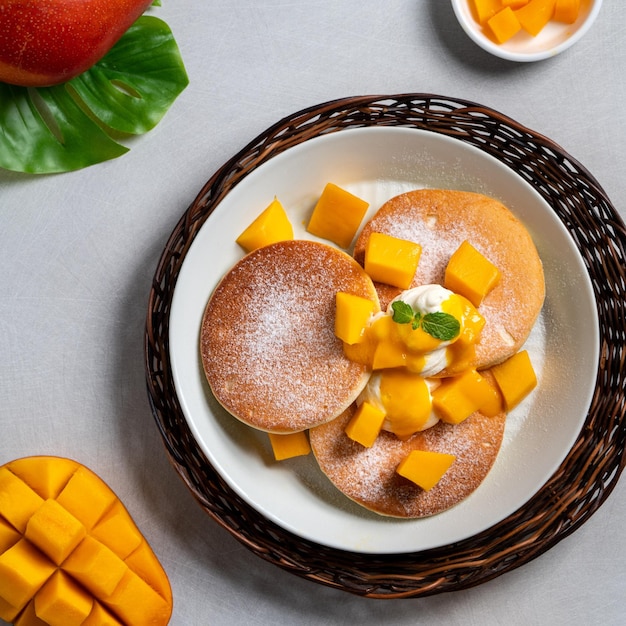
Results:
143 561
289 445
17 500
55 531
8 536
136 602
28 617
337 215
460 396
378 333
365 424
566 11
534 15
516 378
504 25
470 274
115 533
61 602
485 9
271 226
23 570
352 315
47 477
425 468
8 612
391 260
485 393
96 567
85 498
514 4
450 402
99 616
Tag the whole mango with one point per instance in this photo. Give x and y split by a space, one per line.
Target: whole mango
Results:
47 42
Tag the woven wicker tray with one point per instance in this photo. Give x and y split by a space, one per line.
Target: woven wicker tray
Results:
589 472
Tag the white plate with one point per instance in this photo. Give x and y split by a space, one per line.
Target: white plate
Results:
376 164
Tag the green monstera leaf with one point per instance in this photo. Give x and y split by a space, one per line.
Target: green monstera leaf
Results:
81 122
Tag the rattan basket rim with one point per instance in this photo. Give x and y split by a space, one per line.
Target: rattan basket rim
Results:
585 478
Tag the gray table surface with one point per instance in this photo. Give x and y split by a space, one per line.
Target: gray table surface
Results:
78 252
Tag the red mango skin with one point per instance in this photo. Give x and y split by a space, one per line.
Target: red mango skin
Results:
47 42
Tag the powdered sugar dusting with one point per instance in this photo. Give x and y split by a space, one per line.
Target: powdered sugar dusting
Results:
440 221
268 346
368 475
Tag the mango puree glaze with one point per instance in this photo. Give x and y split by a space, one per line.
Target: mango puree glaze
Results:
427 422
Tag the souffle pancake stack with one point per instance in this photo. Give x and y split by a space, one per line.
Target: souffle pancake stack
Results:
397 363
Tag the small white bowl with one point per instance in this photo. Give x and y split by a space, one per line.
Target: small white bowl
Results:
552 40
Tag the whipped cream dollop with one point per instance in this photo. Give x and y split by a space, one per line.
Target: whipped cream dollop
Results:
427 299
424 299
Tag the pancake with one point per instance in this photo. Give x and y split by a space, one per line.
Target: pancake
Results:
368 475
440 220
267 341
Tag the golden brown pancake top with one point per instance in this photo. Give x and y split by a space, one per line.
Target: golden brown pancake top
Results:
267 339
368 475
440 220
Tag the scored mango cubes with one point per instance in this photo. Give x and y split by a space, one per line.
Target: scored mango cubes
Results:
425 468
59 564
470 274
271 226
337 215
391 260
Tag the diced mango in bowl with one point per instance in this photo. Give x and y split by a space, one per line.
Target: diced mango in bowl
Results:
504 25
337 215
514 4
485 9
503 19
70 553
566 11
271 226
391 260
535 15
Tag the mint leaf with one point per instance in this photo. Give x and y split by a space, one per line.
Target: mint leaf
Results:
442 326
402 312
439 325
